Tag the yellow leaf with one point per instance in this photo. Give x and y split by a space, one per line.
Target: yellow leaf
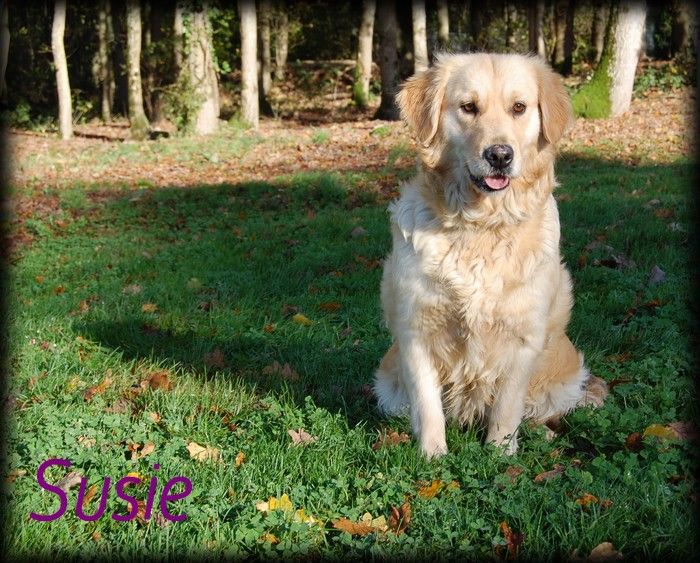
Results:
429 491
149 307
269 538
660 431
240 458
302 319
301 516
203 453
135 474
273 503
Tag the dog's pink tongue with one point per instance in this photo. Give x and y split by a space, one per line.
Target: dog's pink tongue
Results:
496 182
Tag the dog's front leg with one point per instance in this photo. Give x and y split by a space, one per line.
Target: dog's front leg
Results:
509 405
421 380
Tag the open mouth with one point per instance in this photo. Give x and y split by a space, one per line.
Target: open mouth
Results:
494 183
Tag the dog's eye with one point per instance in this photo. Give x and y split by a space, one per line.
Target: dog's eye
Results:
469 107
518 108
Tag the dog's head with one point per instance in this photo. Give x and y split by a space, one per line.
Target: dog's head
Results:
486 116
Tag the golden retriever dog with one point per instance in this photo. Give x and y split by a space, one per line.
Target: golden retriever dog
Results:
474 291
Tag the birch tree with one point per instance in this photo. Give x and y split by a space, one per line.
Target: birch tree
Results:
443 17
535 28
65 111
139 125
105 69
420 39
609 92
363 69
249 75
388 60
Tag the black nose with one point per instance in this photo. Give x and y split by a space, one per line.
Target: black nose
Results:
499 156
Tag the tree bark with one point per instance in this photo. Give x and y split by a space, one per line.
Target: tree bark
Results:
249 75
105 70
600 18
65 111
609 92
179 36
567 64
200 65
478 23
137 116
420 39
265 82
281 42
626 49
363 70
511 17
560 10
536 28
4 47
681 26
388 60
443 16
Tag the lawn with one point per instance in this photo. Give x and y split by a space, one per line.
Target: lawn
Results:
194 326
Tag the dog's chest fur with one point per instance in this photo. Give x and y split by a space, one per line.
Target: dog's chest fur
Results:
472 293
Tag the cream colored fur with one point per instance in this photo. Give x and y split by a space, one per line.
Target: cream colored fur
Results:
474 291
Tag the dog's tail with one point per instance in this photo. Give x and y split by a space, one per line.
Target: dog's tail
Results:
392 399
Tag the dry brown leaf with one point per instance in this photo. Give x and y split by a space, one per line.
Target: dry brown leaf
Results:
513 541
149 308
86 442
358 232
634 442
131 289
604 552
97 389
71 480
240 459
389 439
12 475
39 279
587 499
269 328
158 380
301 436
154 416
353 528
96 536
513 473
118 406
330 306
215 359
431 489
557 470
285 371
147 449
89 495
59 290
400 518
685 430
203 453
269 538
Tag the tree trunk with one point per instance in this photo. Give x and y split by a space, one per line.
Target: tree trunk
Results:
681 26
536 28
105 70
249 74
388 60
609 92
148 77
478 23
200 64
560 11
65 111
363 70
178 36
600 18
281 42
443 16
265 64
511 17
137 117
4 47
567 64
420 39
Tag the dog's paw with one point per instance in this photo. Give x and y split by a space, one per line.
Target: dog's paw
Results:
594 393
433 448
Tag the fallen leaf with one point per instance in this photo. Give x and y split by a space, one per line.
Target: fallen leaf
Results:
135 474
39 279
432 489
269 538
656 276
301 436
154 416
159 380
604 552
96 536
147 449
660 431
240 459
282 503
97 389
586 499
379 523
12 475
389 439
330 306
513 473
215 359
285 371
89 495
557 470
131 289
59 290
86 442
513 540
607 503
358 232
634 442
400 518
149 307
352 528
119 406
684 430
203 453
269 328
301 516
302 319
288 310
69 481
141 513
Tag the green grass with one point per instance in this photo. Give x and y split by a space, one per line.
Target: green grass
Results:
224 264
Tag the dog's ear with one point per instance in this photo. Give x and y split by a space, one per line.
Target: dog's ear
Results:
420 102
555 104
